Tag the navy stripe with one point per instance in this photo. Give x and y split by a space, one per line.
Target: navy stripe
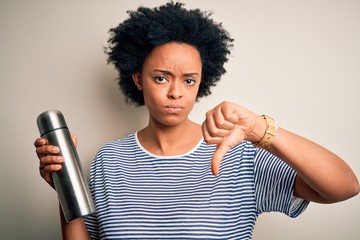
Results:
139 195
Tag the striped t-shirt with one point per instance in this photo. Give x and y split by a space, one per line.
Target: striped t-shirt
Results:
139 195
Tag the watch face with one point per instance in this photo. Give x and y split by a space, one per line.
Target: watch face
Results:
272 129
269 133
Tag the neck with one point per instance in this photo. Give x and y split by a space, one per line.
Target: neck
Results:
174 140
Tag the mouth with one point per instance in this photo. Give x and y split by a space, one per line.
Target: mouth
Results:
173 108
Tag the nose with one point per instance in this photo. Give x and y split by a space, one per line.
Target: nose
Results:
175 90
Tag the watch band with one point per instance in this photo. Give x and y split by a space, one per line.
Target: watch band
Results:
270 132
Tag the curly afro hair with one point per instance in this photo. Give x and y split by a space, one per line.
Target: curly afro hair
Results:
132 41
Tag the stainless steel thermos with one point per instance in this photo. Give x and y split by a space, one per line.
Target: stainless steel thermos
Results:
70 184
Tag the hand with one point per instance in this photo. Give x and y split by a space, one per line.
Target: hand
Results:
228 125
50 161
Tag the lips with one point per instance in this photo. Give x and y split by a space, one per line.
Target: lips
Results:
173 108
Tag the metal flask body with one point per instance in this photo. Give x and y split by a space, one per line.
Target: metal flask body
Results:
70 183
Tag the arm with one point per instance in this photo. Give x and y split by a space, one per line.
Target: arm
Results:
73 230
51 162
322 176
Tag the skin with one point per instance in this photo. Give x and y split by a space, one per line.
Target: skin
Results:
228 124
170 83
170 79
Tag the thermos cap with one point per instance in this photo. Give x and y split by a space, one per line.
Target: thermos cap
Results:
50 120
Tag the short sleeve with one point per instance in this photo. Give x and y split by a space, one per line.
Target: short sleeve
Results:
92 226
274 185
91 220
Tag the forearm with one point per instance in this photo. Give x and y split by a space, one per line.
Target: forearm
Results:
323 176
74 230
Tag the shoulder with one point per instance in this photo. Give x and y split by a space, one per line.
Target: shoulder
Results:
125 141
119 146
114 153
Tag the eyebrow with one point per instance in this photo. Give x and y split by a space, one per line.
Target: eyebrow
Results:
170 73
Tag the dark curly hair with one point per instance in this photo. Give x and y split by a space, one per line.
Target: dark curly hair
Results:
131 42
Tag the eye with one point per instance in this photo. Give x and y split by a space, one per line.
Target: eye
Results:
160 79
189 82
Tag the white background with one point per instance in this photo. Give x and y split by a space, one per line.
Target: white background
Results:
297 61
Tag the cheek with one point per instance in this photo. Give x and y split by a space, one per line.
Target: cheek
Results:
191 99
152 95
196 91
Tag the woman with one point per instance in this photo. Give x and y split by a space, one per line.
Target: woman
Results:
156 183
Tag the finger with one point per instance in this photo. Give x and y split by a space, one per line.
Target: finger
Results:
217 128
228 110
47 150
46 173
74 139
208 138
236 136
40 142
50 159
48 169
217 158
220 117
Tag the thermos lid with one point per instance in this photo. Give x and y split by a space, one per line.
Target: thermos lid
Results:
50 120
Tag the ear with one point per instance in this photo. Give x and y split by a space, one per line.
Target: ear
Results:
137 80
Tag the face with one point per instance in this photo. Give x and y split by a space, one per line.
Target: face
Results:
170 80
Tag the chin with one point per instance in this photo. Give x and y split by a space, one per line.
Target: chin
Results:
173 121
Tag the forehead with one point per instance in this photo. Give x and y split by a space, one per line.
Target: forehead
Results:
174 56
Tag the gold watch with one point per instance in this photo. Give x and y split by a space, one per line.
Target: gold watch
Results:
270 132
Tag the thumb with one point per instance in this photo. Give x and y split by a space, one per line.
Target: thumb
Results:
216 160
235 137
74 139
